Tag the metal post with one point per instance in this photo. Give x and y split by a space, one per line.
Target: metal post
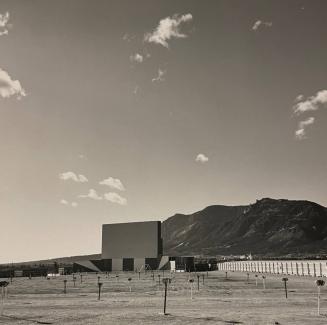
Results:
99 285
130 287
165 301
318 300
285 286
319 284
165 281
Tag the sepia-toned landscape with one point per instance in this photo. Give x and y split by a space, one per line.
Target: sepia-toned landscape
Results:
220 300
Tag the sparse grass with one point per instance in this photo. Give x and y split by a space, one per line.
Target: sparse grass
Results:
219 301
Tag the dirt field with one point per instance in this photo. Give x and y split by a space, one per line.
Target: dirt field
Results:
219 301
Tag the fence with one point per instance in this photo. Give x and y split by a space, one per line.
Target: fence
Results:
316 268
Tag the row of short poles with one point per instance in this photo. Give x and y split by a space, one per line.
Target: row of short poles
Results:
166 281
100 283
319 283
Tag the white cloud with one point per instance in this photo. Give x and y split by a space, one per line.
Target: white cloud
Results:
136 90
259 23
65 202
168 28
113 183
160 76
72 176
91 195
300 133
4 19
115 198
10 87
201 158
136 58
312 103
127 37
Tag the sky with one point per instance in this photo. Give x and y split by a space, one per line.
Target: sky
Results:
118 111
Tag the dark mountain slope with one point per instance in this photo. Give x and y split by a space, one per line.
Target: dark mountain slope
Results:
269 226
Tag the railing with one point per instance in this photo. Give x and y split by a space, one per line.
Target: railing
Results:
316 268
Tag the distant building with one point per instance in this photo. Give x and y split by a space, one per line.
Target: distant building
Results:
132 246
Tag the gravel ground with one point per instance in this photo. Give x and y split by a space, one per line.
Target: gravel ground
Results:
219 301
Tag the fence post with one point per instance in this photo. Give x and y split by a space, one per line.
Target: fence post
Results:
319 284
99 294
65 286
285 286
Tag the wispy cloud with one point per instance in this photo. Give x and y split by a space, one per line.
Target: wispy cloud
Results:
115 198
113 183
201 158
127 37
74 177
10 87
260 23
136 90
4 23
168 28
300 133
92 194
160 76
138 58
65 202
312 103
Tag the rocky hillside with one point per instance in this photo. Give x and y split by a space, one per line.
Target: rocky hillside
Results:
268 227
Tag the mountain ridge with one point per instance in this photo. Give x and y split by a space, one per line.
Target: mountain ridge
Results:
268 226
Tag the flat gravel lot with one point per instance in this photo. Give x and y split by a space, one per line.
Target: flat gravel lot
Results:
220 300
